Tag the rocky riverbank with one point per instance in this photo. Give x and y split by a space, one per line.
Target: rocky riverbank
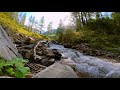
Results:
86 49
57 62
17 45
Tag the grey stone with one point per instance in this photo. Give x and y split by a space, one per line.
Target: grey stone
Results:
7 48
57 70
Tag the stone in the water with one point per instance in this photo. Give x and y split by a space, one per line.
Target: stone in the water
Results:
67 45
47 62
48 53
57 54
68 62
57 70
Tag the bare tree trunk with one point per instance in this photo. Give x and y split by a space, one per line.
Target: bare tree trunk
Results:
79 19
82 20
85 14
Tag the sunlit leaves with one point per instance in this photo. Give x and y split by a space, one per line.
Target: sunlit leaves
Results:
6 21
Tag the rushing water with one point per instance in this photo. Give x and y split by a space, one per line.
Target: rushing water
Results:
93 66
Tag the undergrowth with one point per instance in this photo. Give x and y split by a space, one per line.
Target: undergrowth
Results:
14 68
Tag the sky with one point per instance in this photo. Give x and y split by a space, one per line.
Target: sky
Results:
50 16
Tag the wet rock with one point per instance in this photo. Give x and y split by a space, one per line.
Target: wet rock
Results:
48 53
57 54
38 58
55 42
68 62
67 45
110 55
43 55
57 70
76 46
47 61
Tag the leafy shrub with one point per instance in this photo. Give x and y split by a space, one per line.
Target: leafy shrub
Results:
103 25
14 67
70 36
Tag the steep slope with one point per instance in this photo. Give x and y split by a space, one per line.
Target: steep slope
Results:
12 33
14 30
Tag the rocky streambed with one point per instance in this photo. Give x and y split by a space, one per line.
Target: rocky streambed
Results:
55 61
88 66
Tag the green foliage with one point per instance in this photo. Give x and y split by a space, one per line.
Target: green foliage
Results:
100 41
103 25
116 17
59 34
6 21
101 33
14 67
70 36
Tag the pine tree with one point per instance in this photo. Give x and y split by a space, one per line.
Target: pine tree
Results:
20 18
49 28
30 23
23 19
41 23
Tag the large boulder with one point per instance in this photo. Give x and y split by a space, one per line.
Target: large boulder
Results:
45 55
57 70
7 48
57 54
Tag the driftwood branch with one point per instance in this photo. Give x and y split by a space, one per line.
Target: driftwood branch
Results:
35 55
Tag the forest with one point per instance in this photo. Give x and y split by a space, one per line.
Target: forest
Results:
100 34
27 53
